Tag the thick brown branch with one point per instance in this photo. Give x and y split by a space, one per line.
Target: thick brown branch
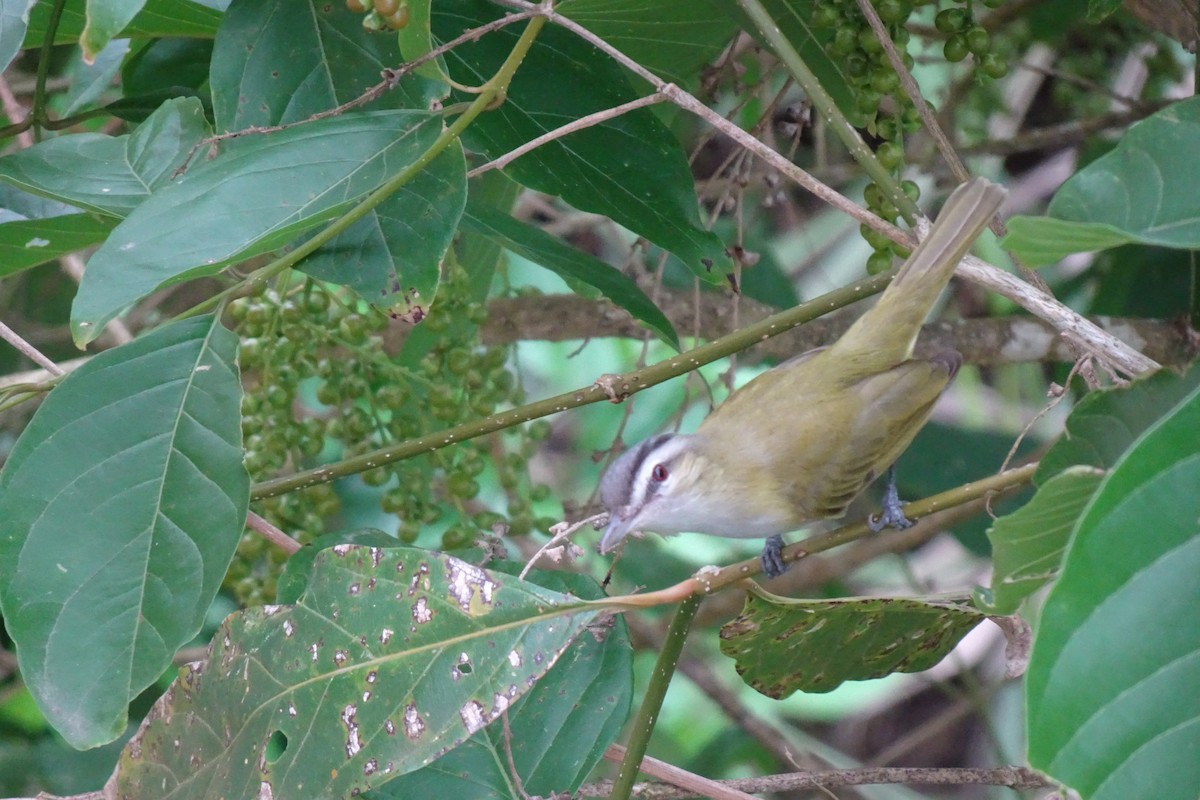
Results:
987 342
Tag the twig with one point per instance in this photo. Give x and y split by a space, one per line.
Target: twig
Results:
29 351
561 532
14 111
508 754
272 534
72 264
569 128
1014 777
391 78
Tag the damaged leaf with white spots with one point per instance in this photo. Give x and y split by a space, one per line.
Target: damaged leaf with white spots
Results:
783 646
357 685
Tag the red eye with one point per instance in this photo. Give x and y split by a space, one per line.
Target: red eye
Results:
659 473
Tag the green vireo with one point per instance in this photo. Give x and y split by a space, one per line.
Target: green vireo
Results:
802 440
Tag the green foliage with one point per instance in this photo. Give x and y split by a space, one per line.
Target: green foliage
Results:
1139 192
119 565
1109 708
783 646
309 292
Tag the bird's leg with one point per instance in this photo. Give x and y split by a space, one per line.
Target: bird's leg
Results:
891 516
772 557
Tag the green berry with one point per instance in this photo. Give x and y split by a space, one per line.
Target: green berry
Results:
951 20
978 40
955 49
993 66
879 261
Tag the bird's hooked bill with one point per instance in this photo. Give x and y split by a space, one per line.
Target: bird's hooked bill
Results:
618 529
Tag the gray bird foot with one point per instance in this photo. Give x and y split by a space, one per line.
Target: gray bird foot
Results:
891 516
772 557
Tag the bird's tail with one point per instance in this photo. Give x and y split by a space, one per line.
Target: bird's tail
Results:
884 336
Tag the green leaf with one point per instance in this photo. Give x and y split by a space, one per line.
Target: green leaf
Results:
259 194
273 65
281 61
782 646
630 169
1111 687
672 39
1028 544
1104 424
416 39
1141 191
393 256
794 18
560 729
110 174
14 19
574 265
393 658
105 19
27 243
167 65
298 569
156 19
91 79
121 506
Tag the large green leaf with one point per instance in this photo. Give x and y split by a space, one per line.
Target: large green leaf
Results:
1143 190
392 658
1028 544
782 646
280 61
560 730
157 18
121 506
110 174
393 256
671 38
27 243
1104 424
259 194
14 18
630 169
584 271
1111 691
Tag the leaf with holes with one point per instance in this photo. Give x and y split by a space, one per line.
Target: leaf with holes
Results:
559 730
121 506
783 646
391 659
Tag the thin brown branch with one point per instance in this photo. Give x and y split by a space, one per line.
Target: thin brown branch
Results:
686 784
569 128
1068 134
272 534
29 351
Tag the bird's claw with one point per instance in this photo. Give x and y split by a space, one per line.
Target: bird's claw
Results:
772 557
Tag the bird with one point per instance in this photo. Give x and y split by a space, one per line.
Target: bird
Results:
799 442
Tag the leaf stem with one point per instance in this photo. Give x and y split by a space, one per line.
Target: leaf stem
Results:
38 112
656 690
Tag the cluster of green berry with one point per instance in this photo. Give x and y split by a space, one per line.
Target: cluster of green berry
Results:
965 36
381 15
319 383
